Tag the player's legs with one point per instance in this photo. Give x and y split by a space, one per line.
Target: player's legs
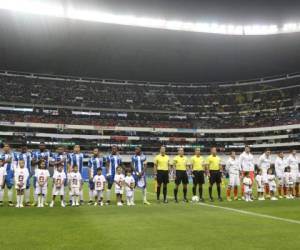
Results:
185 181
91 191
165 185
110 183
218 182
211 183
178 179
1 196
230 185
195 182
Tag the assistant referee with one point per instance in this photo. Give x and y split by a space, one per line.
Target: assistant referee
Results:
161 172
215 174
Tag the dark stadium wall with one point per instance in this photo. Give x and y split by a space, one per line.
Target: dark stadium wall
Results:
59 46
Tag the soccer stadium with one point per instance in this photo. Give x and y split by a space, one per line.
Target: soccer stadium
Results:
149 124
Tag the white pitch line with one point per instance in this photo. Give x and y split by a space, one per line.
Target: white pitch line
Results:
243 212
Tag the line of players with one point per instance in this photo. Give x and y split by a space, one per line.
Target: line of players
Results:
285 177
286 174
18 168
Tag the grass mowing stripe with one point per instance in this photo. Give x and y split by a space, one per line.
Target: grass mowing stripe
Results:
242 211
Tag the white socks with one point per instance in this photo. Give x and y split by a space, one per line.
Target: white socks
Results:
81 195
1 195
91 194
144 191
27 195
108 191
10 194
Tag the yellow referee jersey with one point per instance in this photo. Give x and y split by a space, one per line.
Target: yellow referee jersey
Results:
180 162
213 162
197 163
162 162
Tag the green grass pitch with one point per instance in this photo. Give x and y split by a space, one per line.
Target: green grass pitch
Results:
158 226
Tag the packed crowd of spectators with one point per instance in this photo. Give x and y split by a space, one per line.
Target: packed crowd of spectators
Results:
205 106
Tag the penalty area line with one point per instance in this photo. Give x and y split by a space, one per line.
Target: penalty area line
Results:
243 212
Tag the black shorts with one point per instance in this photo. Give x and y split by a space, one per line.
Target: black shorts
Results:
162 176
215 176
181 176
198 177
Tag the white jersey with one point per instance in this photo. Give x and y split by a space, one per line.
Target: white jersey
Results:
246 161
271 179
75 179
2 176
233 166
119 179
21 175
130 182
264 163
293 162
42 177
99 181
247 184
280 164
59 178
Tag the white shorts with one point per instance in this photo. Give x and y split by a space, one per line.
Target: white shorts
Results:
118 190
58 190
75 191
234 180
98 192
280 180
295 177
41 190
260 189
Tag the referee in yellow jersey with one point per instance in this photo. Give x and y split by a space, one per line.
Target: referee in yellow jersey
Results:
215 174
180 163
198 169
161 173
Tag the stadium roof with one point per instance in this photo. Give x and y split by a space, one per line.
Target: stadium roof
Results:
51 45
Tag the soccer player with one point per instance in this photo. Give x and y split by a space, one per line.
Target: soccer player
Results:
76 158
113 161
95 162
26 156
248 186
99 185
41 175
279 169
293 162
288 182
272 184
119 179
234 170
2 180
180 163
198 167
264 163
8 157
21 175
59 178
129 187
161 173
75 185
139 165
246 160
215 174
260 185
